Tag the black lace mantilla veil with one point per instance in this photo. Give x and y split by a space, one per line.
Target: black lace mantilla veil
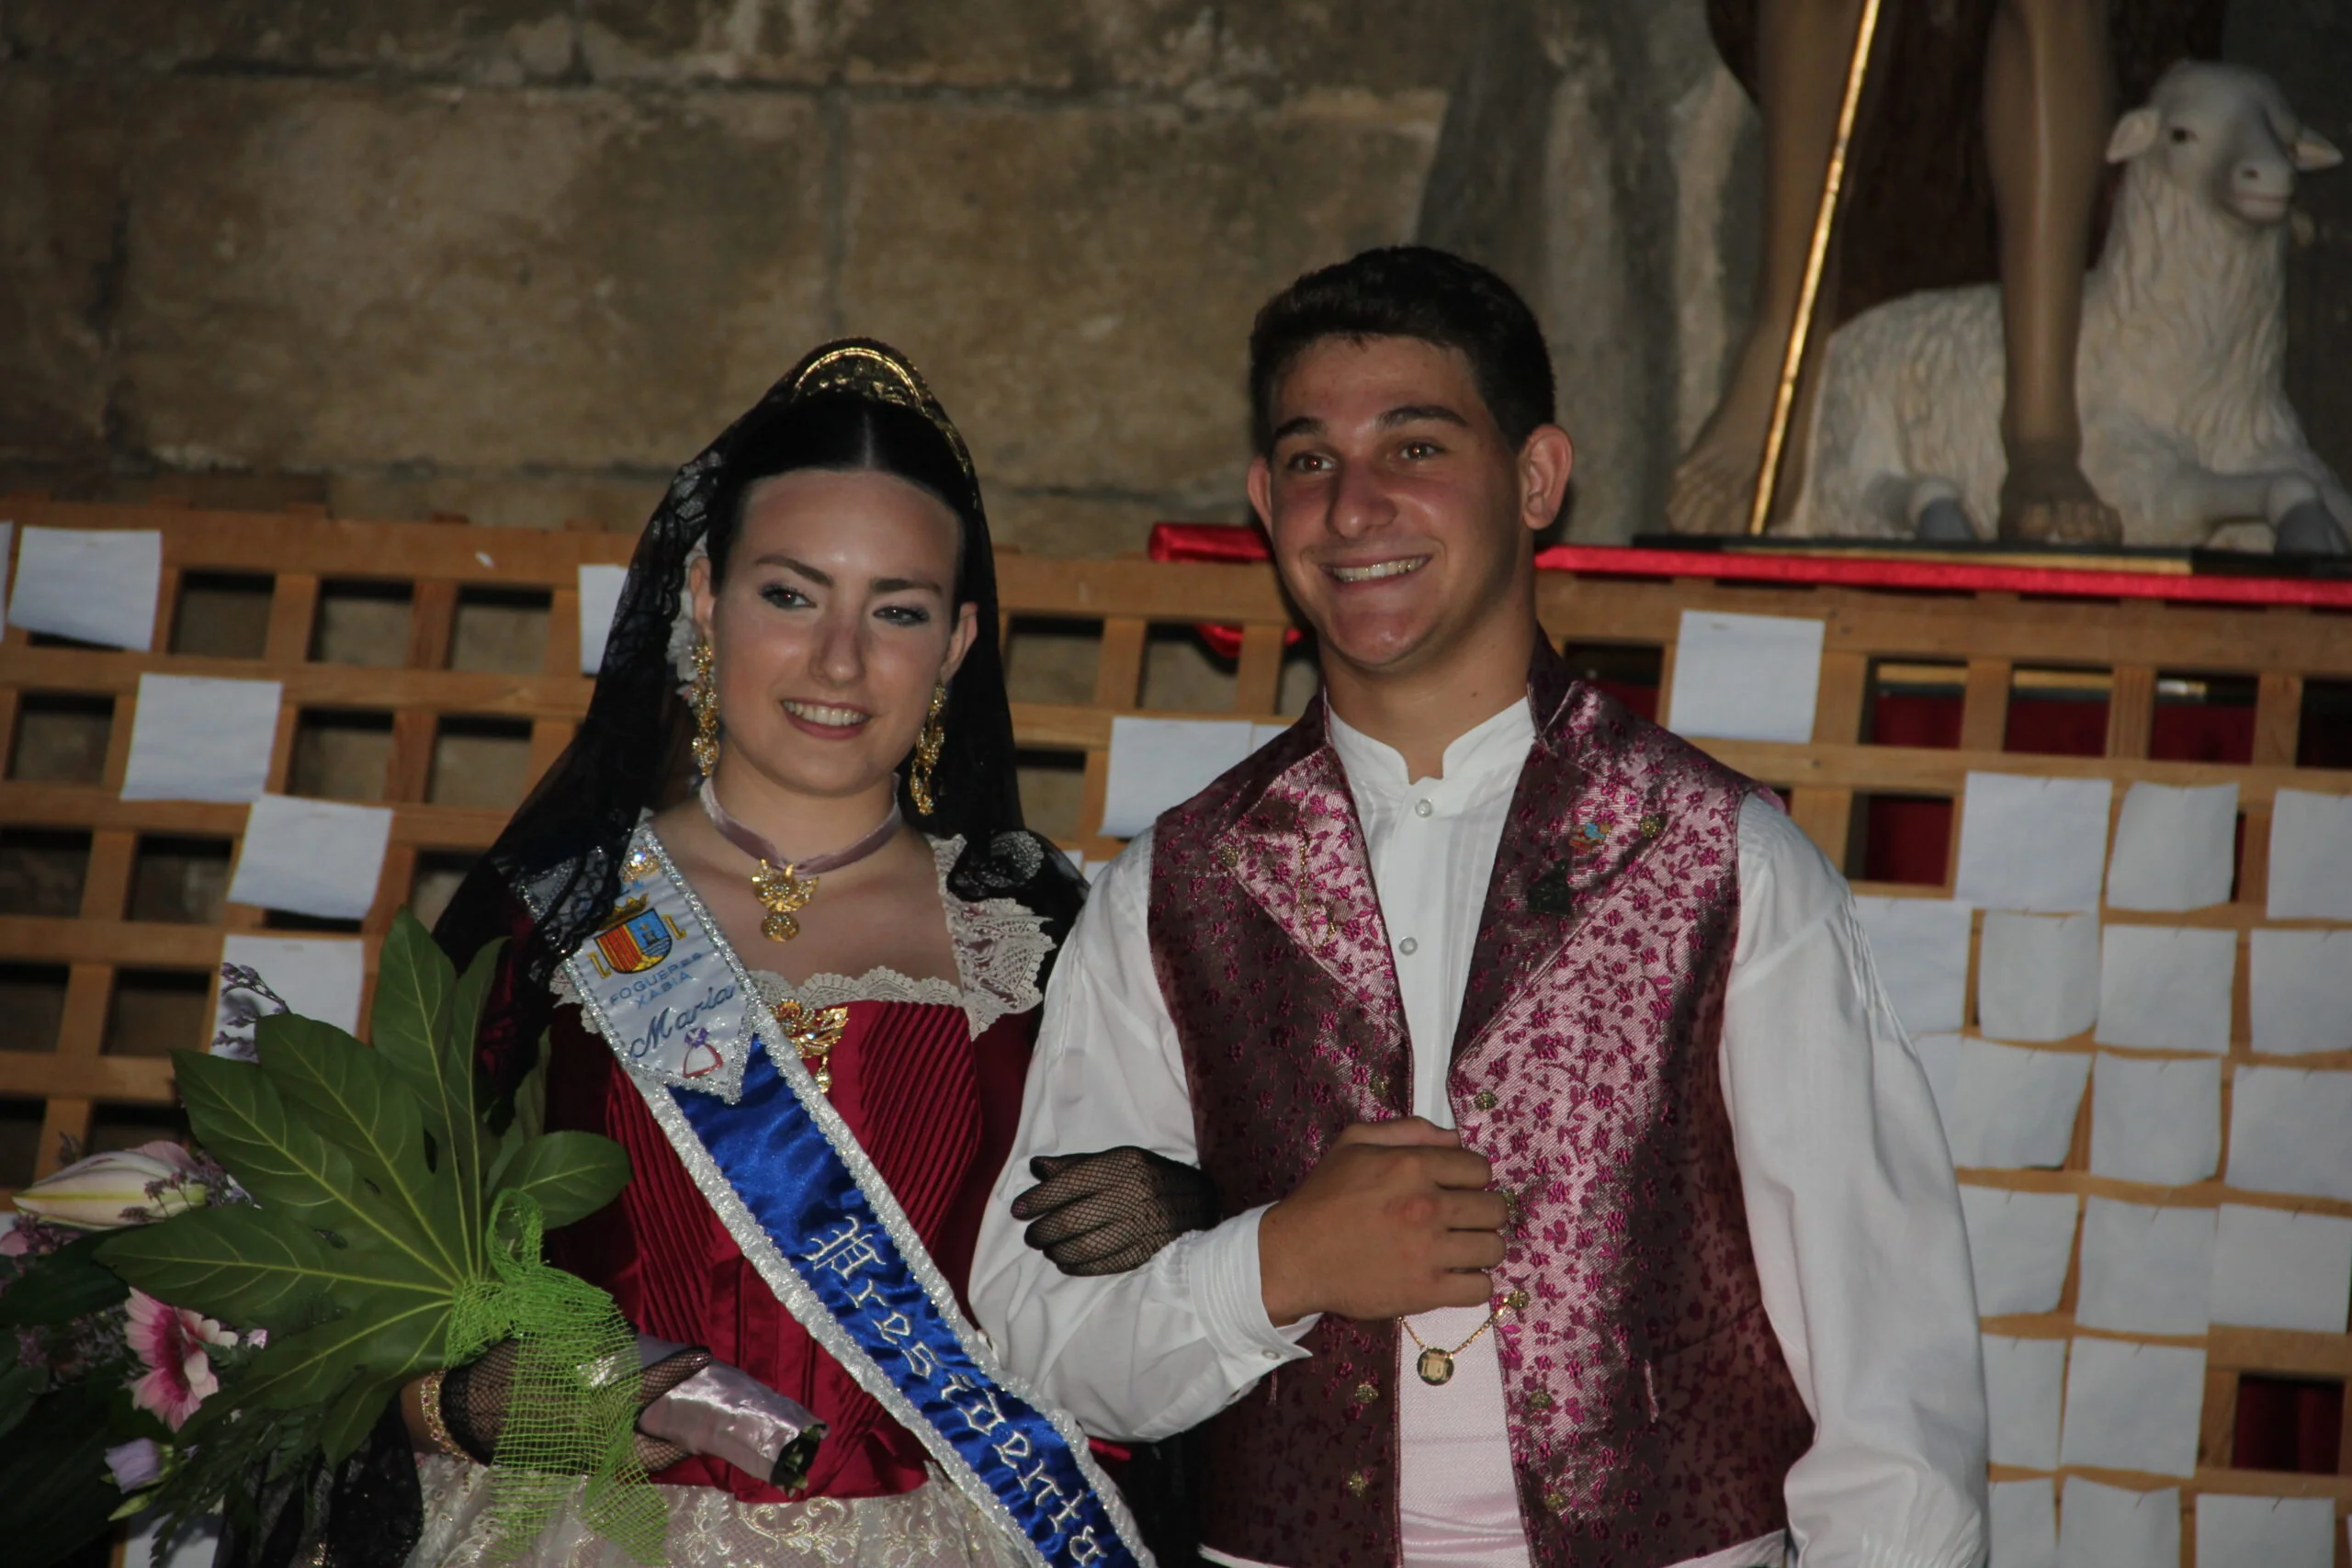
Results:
562 851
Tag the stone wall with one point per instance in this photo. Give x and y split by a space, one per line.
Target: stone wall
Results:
1600 156
516 258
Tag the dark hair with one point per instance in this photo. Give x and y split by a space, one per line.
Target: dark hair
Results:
838 432
1413 291
559 858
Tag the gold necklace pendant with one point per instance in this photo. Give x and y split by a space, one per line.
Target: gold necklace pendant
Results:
782 893
1435 1364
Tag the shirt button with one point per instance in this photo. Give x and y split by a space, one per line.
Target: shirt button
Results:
1408 947
1423 809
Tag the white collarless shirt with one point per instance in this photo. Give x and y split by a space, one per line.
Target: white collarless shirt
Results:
1852 1209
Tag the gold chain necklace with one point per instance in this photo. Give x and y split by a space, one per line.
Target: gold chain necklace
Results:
1436 1364
785 887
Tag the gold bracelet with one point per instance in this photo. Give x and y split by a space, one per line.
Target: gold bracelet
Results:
428 1399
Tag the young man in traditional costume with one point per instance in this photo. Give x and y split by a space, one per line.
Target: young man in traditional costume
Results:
1582 1201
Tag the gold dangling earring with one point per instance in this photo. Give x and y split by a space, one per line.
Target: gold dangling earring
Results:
703 697
927 745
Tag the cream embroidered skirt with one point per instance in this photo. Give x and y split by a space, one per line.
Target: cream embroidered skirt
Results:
932 1527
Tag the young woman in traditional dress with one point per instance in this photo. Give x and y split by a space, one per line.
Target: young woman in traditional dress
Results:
786 938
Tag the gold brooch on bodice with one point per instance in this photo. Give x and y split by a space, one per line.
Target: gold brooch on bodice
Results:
813 1032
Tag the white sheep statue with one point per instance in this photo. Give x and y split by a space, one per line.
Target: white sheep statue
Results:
2186 423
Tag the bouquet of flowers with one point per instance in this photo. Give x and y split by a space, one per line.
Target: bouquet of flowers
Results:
190 1324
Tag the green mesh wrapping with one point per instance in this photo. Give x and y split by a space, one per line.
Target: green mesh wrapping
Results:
573 1410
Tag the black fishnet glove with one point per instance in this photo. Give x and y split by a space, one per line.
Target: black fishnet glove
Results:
1112 1211
473 1400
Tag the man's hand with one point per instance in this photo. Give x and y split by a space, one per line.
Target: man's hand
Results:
1395 1220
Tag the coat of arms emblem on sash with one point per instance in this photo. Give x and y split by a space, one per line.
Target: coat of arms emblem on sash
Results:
634 938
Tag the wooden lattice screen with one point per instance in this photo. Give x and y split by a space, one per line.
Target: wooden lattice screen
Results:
1987 650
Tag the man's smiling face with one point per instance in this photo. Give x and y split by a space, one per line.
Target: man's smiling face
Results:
1392 498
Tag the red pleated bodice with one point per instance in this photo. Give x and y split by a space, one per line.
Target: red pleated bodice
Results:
933 1108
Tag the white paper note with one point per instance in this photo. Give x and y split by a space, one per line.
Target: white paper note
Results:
1920 947
95 585
2264 1532
2133 1407
2173 847
1159 763
2033 844
317 976
2311 856
1745 677
2276 1270
2155 1122
7 539
2165 987
2004 1108
2037 976
2022 1382
312 857
193 738
2024 1524
2300 992
2107 1527
2146 1270
1261 733
2292 1132
2018 1243
600 595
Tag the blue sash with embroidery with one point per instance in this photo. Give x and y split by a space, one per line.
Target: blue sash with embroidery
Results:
813 1217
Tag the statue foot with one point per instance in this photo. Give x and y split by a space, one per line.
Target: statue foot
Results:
2050 503
1712 492
2308 530
1943 523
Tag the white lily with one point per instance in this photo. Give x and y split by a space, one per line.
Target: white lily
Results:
108 1191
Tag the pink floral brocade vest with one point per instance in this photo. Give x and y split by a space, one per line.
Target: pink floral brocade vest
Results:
1653 1418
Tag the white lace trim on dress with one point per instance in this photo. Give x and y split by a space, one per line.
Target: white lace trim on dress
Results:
931 1527
1000 946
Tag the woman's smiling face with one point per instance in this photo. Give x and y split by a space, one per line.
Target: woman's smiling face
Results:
834 620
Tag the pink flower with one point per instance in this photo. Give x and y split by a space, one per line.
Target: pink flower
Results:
170 1344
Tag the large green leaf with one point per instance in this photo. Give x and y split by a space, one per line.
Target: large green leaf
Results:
239 1117
55 1492
237 1114
353 1413
248 1267
467 1153
423 1028
19 1388
573 1175
383 1335
531 1094
414 980
59 1287
351 1095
